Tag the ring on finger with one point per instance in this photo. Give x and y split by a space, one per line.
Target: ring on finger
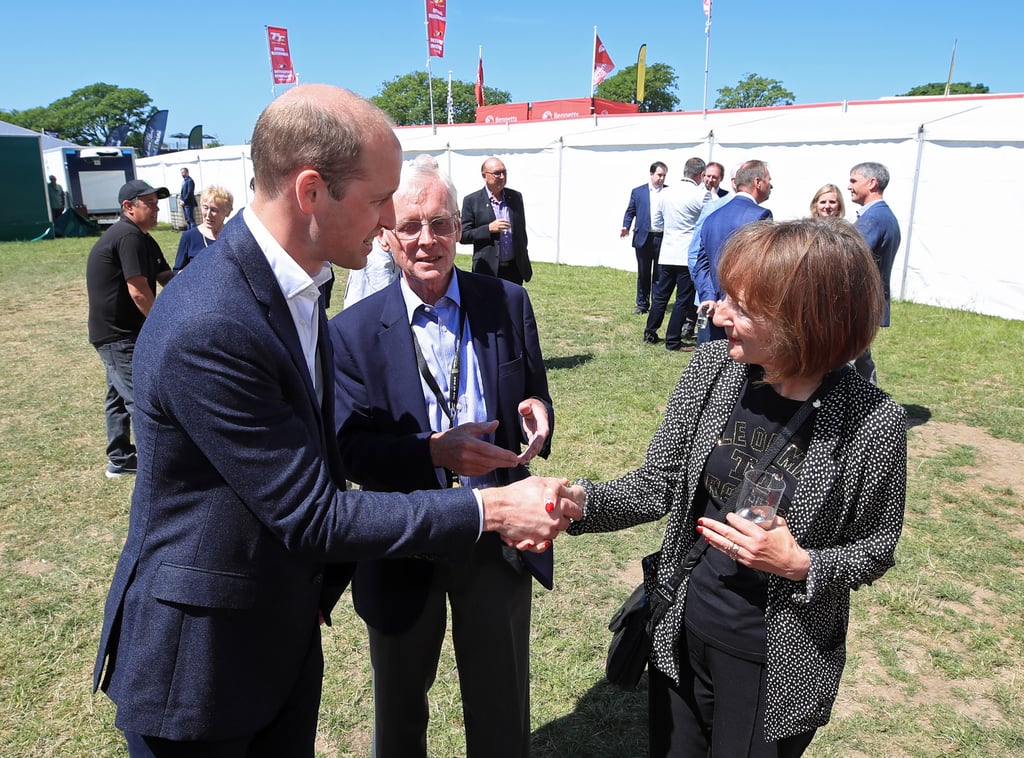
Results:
733 550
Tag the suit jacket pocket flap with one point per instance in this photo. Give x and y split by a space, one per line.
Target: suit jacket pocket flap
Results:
204 588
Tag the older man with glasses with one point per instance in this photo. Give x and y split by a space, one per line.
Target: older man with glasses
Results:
440 383
494 223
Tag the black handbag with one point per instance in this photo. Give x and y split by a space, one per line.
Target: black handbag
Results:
632 626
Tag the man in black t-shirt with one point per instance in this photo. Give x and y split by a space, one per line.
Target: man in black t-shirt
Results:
121 275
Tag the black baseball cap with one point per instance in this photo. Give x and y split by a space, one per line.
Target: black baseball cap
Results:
137 188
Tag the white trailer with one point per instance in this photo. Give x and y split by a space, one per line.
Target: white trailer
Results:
92 177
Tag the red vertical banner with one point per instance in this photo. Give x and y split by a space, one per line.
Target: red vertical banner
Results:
435 27
280 56
479 88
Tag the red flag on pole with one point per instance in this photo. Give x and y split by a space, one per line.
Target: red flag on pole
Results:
602 61
280 57
435 27
480 79
707 8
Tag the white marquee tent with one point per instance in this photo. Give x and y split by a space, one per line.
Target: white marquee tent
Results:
955 163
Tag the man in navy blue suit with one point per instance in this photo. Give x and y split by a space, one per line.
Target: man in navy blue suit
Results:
878 224
440 382
646 238
187 198
753 187
241 536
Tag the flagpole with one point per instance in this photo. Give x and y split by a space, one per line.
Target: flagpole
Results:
952 62
707 53
450 103
593 63
430 82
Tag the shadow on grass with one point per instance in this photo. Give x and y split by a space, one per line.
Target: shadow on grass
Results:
607 723
567 361
917 415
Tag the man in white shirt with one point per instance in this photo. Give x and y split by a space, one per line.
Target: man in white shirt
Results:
678 212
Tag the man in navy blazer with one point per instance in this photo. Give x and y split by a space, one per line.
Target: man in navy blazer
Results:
878 224
646 238
240 535
753 186
476 337
494 223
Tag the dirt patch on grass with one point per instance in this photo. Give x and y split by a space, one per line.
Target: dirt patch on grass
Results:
1000 462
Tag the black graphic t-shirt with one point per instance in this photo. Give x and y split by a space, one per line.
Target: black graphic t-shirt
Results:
725 600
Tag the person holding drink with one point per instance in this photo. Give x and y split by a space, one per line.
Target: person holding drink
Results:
747 660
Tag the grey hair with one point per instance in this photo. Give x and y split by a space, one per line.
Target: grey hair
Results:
417 174
693 168
875 171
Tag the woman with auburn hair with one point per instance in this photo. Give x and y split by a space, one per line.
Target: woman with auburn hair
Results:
828 203
215 204
747 659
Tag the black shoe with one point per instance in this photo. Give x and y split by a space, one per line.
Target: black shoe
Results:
638 311
680 348
651 339
116 472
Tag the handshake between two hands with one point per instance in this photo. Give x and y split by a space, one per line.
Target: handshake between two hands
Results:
529 514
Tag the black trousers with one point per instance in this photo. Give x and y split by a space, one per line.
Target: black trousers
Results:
684 312
507 270
647 269
717 711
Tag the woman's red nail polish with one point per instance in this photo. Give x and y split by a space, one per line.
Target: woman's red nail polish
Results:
549 507
700 530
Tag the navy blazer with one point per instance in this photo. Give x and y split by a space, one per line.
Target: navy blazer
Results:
881 230
383 430
639 208
717 228
477 213
238 509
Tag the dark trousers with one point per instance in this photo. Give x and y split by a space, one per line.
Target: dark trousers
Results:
684 312
292 733
490 606
646 270
507 270
119 403
190 215
717 710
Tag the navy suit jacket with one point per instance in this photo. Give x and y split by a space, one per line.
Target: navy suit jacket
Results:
639 208
383 430
717 229
240 526
477 213
881 230
188 191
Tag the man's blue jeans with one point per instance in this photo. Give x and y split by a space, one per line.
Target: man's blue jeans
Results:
120 401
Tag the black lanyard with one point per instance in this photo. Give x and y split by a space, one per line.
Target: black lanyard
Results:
449 405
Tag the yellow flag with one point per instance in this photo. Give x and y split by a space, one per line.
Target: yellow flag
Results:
641 72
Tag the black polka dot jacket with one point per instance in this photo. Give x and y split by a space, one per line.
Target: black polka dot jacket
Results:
847 512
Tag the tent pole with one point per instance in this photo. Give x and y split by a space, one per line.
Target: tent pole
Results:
913 207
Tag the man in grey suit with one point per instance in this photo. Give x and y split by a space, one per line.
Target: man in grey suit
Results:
241 536
878 224
494 223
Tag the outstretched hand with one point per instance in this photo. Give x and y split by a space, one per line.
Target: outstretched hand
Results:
461 449
536 426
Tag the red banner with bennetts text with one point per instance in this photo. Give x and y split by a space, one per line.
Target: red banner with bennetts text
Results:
435 27
280 56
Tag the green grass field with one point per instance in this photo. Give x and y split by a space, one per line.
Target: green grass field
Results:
936 647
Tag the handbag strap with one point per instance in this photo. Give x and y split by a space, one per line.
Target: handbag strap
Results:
665 592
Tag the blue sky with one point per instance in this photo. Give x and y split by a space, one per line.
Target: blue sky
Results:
212 67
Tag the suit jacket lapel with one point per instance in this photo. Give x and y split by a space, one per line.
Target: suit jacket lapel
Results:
405 393
485 333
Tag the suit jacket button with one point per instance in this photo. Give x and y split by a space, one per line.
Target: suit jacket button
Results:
318 579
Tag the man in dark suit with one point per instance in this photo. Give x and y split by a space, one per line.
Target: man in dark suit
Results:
240 526
440 382
714 172
878 224
646 238
494 223
753 187
187 198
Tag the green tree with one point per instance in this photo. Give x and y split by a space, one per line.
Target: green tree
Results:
659 81
754 92
406 99
939 88
88 114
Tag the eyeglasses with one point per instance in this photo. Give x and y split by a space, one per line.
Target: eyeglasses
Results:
499 172
442 226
